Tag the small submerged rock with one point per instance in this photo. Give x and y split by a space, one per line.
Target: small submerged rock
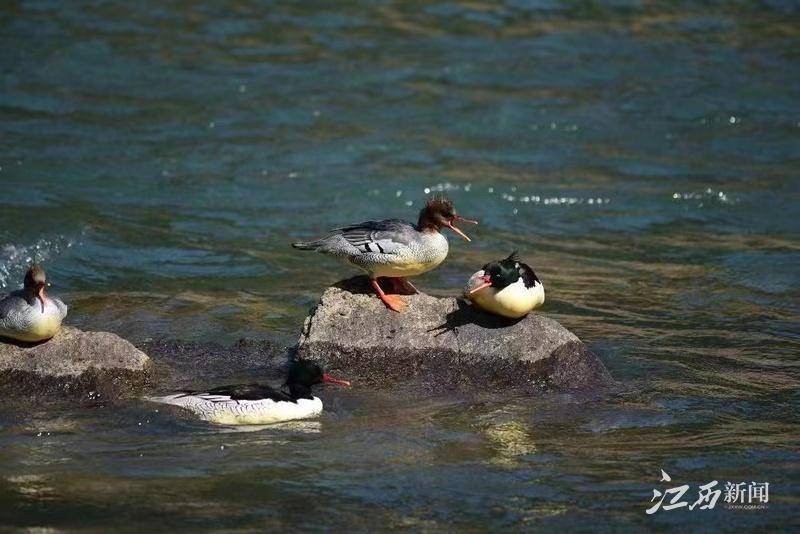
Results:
445 341
99 365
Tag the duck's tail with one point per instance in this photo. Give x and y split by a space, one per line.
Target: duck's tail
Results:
306 245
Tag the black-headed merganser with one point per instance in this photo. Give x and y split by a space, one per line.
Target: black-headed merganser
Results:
393 248
506 287
29 314
258 404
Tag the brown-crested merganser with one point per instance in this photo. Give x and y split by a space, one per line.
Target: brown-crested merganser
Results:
506 287
29 314
258 404
393 248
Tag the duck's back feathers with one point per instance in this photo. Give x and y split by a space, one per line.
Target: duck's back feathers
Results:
248 392
528 276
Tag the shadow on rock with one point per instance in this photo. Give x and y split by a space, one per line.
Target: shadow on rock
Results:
22 344
360 285
466 314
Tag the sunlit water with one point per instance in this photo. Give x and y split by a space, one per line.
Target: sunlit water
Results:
159 160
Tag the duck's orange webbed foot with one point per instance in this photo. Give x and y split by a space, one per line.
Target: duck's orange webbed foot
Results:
393 302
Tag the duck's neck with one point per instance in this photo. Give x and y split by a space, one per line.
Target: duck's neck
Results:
32 295
299 391
425 223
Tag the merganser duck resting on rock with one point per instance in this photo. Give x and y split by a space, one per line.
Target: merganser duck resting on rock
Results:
258 404
507 287
393 248
28 314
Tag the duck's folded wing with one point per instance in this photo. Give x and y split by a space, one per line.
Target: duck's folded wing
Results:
528 276
390 236
11 304
245 392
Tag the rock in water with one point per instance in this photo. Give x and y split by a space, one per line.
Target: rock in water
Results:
444 340
73 363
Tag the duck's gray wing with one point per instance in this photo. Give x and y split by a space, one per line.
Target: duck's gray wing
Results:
11 302
386 237
12 310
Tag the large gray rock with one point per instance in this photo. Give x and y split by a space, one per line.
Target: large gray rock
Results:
444 340
99 365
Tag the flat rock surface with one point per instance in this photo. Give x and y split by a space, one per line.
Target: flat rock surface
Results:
445 340
74 362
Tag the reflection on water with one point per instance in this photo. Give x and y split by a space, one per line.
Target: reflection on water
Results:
281 429
160 159
512 440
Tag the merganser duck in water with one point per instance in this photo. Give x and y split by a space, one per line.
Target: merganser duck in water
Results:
507 287
394 248
258 404
29 314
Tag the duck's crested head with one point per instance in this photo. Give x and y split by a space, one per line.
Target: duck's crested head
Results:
35 278
440 212
504 272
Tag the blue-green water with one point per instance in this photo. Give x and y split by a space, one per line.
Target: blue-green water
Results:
160 157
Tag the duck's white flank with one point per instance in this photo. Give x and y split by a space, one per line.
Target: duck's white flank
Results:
417 258
513 301
222 410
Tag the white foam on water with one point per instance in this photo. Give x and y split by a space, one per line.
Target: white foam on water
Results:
707 195
15 258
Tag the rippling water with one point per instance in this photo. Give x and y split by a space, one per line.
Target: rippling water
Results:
159 159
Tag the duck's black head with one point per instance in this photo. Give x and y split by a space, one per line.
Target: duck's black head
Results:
35 282
502 273
438 213
303 374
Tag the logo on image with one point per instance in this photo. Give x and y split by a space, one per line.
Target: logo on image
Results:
740 496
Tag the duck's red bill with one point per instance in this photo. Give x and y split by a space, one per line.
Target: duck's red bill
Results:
40 295
486 283
457 218
330 380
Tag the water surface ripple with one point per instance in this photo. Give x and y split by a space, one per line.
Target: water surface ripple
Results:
159 157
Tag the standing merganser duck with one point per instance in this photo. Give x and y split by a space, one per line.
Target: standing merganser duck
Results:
507 287
258 404
29 314
394 248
